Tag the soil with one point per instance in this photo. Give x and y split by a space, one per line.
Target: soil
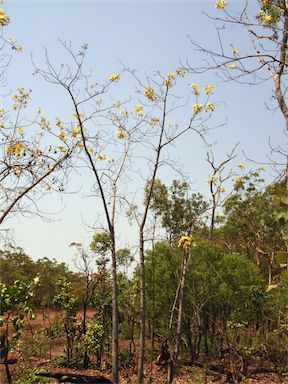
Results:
153 373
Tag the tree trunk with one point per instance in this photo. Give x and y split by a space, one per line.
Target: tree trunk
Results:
115 331
174 361
141 359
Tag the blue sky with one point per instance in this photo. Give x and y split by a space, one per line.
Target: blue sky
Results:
147 36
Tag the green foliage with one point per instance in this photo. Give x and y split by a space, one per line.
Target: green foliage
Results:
101 242
180 211
28 376
16 265
67 301
125 358
88 344
15 302
35 345
251 223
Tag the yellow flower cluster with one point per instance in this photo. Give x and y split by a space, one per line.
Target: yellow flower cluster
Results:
181 72
4 19
139 110
62 148
209 89
195 88
2 111
18 172
150 94
101 156
44 123
21 98
185 242
241 165
114 77
121 134
62 136
264 17
75 115
238 180
220 4
154 121
212 179
76 130
16 148
169 78
210 107
197 108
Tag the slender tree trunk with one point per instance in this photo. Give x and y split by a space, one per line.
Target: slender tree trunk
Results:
286 192
115 313
5 346
212 223
140 374
174 361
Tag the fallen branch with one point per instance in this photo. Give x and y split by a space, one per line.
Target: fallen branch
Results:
75 378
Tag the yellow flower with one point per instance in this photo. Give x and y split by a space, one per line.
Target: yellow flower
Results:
209 89
16 149
114 77
18 172
167 82
150 93
184 242
197 108
76 131
238 180
241 165
62 148
261 15
222 189
154 121
62 136
234 51
101 156
231 66
195 88
36 280
20 131
181 72
268 19
58 123
75 115
4 19
139 110
209 107
220 4
121 135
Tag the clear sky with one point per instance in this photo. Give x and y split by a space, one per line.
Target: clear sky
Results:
147 36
